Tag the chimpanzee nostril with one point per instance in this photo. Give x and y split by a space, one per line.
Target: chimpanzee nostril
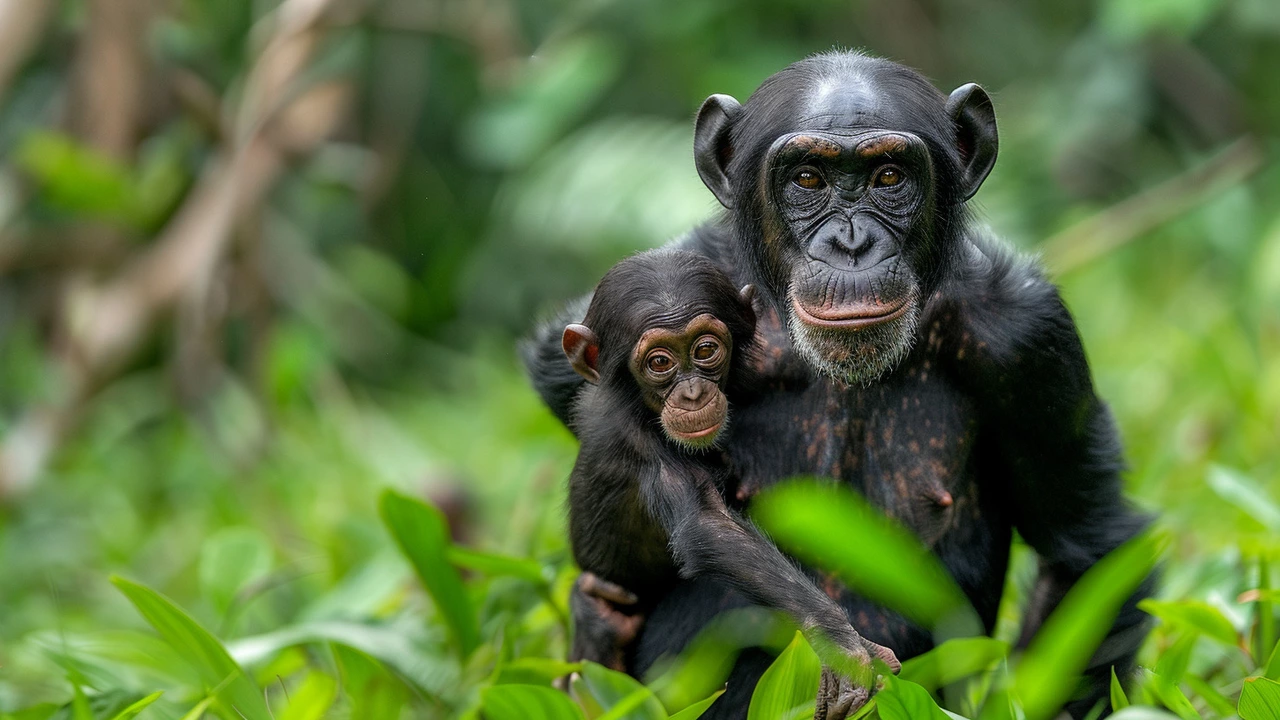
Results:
842 236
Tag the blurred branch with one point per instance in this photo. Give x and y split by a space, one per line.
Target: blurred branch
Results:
22 24
105 323
1109 229
111 70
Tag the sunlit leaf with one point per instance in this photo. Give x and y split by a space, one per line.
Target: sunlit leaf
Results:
1171 696
1243 492
904 700
789 687
133 710
527 702
953 660
695 711
621 696
422 534
823 525
200 649
1119 700
1195 616
1260 699
1046 676
534 671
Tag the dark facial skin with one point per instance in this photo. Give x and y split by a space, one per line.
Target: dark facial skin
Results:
682 374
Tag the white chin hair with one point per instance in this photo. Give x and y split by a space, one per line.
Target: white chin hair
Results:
856 356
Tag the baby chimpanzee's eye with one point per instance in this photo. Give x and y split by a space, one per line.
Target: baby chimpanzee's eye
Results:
707 349
659 363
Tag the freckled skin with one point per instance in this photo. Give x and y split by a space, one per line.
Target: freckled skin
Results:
905 353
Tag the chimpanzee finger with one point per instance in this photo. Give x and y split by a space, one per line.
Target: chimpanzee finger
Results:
596 586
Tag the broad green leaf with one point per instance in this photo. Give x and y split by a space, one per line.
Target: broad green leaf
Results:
230 560
1119 700
311 699
1194 616
527 702
824 525
621 696
1260 699
1216 700
1047 674
904 700
498 565
953 660
1173 662
422 534
1243 492
1272 671
236 691
790 685
695 711
133 710
1171 696
534 671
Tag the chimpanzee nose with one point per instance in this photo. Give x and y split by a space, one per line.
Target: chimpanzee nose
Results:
691 391
838 234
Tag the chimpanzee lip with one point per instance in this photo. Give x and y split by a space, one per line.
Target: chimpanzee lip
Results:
697 434
850 317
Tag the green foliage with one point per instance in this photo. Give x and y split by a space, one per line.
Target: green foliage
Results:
790 685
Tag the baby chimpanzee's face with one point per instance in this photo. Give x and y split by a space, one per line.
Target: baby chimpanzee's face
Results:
681 373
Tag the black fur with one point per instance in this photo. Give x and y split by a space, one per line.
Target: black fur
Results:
645 511
989 421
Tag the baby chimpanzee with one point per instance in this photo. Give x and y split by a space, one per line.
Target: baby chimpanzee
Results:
664 345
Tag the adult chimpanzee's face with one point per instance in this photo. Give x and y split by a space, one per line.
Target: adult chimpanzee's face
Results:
848 210
845 177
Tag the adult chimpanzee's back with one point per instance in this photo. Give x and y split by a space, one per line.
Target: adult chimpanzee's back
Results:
902 351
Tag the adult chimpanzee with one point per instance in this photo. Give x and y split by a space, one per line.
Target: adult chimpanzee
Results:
665 344
902 350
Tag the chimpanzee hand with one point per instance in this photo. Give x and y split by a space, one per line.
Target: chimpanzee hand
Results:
839 696
605 621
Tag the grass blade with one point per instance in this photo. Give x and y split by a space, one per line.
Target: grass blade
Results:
1119 700
422 534
133 710
236 690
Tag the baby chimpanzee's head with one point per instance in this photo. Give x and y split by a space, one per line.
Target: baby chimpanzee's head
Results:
670 324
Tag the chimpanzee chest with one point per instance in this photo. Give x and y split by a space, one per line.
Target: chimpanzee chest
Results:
909 443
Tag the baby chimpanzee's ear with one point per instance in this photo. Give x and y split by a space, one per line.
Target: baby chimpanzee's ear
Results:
583 350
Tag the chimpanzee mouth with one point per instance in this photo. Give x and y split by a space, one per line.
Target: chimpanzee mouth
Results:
697 428
852 316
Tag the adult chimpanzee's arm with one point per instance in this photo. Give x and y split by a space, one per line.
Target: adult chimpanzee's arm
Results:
550 372
1060 447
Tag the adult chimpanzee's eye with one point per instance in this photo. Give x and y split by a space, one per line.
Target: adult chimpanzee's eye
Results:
888 176
808 178
706 349
659 363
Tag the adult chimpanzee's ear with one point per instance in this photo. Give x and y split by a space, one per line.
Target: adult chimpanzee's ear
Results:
583 350
975 119
711 149
747 294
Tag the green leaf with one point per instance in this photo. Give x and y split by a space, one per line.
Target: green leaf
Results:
534 671
1194 616
1272 671
198 711
527 702
1119 700
1173 662
695 711
821 523
422 534
1047 674
904 700
954 660
495 565
230 560
312 699
1215 700
133 710
1142 713
236 691
790 685
1243 492
1260 699
620 695
1171 696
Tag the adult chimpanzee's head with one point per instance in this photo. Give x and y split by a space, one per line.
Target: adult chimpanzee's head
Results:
846 178
671 325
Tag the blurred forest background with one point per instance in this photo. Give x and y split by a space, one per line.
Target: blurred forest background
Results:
261 259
